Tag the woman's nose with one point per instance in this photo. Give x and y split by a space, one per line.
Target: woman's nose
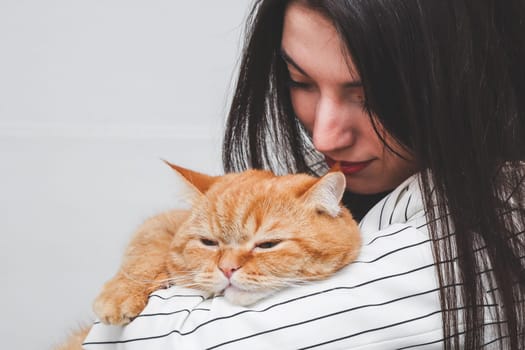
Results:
332 128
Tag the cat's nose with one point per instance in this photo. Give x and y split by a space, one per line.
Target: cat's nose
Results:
228 271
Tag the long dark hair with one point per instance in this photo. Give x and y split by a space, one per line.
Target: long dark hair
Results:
446 78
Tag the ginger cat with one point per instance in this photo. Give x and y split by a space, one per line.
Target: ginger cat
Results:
246 236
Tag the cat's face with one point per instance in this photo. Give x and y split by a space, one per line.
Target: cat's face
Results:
253 233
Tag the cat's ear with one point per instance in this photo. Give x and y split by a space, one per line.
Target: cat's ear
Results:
197 182
325 195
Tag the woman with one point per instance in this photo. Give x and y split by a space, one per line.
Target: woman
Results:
423 104
441 85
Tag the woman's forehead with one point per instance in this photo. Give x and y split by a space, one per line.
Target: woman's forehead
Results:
311 44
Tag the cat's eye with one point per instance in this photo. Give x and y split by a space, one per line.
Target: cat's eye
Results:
209 242
267 244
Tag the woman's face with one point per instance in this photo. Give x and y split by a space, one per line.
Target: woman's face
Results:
327 97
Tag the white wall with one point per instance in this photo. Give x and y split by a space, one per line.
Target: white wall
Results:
92 94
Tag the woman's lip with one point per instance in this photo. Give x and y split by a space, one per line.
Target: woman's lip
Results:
348 168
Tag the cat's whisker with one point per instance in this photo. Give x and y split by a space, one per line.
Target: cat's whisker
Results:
160 282
149 255
273 283
303 279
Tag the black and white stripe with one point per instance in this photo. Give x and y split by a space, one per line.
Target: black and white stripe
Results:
387 299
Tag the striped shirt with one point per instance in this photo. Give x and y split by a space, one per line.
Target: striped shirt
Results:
387 299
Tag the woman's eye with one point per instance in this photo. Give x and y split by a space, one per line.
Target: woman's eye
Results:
293 84
267 244
209 242
357 99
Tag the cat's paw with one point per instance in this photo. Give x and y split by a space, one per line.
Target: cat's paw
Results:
119 302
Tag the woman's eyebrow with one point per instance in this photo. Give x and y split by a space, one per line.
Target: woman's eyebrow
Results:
350 84
353 84
291 62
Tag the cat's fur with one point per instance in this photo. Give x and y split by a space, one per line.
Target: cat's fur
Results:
246 236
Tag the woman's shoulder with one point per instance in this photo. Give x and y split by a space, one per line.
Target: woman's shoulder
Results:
388 298
404 205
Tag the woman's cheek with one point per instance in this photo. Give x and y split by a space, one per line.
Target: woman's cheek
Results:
304 105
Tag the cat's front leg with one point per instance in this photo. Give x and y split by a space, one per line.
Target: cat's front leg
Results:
122 299
143 270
